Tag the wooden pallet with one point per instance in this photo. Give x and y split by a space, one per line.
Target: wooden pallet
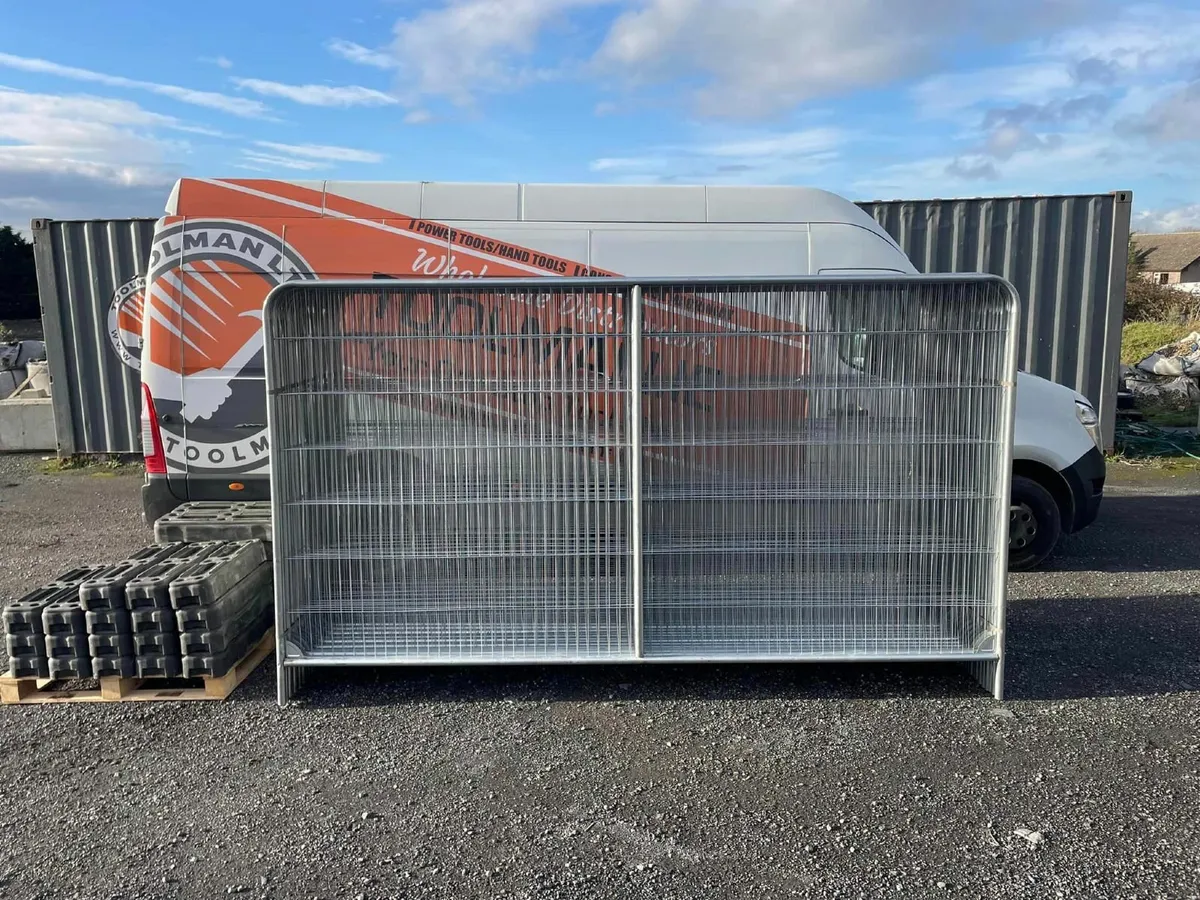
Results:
114 689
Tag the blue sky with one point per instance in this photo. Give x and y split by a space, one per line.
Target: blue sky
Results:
874 99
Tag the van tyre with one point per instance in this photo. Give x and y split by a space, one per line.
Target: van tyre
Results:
1034 525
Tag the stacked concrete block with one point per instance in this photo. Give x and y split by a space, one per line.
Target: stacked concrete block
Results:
176 609
24 634
213 637
107 615
65 626
207 520
213 577
156 552
194 552
24 628
75 577
223 606
152 621
110 642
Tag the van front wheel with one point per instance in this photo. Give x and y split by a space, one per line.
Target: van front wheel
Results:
1034 524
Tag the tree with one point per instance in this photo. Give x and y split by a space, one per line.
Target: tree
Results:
18 277
1135 263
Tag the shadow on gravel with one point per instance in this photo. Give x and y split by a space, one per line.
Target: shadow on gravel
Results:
593 683
1071 648
1143 533
1058 649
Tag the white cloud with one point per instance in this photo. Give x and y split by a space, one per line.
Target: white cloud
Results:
221 62
1148 37
1086 109
754 61
79 156
1181 218
468 47
417 117
755 157
323 152
70 192
317 94
268 156
1115 53
949 95
793 143
1085 165
238 106
200 129
272 161
732 57
96 130
1175 117
17 163
626 164
363 56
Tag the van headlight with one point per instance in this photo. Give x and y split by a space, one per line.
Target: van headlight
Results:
1090 422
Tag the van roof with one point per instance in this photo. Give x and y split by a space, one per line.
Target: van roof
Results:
512 202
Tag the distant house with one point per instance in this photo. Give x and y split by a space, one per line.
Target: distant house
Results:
1169 258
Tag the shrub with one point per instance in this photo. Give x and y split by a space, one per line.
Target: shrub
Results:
1147 301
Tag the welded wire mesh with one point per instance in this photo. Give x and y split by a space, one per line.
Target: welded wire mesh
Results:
822 478
609 469
449 474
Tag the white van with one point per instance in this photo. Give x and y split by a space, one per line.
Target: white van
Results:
224 244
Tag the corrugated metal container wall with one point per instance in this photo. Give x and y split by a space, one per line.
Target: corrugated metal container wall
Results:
90 279
1066 257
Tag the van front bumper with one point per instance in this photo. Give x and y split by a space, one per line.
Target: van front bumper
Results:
1085 478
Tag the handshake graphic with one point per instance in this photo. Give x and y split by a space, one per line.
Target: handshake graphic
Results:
209 318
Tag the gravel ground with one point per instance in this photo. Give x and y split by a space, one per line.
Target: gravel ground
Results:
754 782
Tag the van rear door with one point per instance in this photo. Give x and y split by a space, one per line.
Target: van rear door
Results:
162 365
224 275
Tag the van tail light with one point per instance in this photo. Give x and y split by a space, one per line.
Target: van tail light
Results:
152 446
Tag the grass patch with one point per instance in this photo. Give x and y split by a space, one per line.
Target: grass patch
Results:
1173 418
1140 339
101 466
1171 464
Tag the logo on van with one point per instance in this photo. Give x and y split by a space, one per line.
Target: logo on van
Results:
207 283
125 321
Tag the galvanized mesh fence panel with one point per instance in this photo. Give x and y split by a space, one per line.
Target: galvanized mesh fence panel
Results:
452 476
825 486
620 470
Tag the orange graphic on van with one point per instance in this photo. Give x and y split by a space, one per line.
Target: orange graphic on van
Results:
231 242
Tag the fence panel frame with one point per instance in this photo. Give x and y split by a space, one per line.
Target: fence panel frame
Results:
986 664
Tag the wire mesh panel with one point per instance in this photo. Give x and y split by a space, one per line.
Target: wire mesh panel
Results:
615 470
824 469
449 475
